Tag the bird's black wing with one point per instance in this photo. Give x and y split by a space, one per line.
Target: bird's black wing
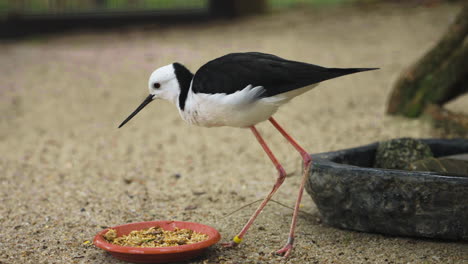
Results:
235 71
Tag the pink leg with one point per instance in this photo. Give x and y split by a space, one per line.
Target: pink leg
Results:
305 156
282 175
286 250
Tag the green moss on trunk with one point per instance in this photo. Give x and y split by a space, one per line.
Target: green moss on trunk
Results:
436 75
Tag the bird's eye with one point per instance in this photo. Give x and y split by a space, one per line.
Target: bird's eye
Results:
156 85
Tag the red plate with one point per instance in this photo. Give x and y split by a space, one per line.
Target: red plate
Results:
160 254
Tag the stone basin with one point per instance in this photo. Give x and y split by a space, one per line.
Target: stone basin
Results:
351 194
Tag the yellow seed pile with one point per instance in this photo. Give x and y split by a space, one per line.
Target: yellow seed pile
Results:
155 237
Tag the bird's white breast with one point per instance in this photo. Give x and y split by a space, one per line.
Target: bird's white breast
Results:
243 108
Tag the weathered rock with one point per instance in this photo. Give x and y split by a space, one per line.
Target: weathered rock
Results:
463 156
400 153
443 165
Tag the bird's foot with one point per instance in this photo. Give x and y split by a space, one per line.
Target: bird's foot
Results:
231 244
287 249
235 241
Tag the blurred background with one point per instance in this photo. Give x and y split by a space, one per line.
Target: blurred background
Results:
28 16
71 71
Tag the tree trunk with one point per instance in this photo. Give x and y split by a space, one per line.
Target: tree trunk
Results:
447 123
438 76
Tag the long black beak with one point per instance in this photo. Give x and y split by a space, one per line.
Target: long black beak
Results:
142 105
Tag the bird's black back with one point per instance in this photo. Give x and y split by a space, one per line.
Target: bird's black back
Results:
235 71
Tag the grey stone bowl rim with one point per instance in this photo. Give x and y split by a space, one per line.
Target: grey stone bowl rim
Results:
340 191
329 158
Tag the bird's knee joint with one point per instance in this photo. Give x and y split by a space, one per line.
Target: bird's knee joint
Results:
281 174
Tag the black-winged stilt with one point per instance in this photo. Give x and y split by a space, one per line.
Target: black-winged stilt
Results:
242 90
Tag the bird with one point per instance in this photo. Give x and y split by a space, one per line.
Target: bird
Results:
241 90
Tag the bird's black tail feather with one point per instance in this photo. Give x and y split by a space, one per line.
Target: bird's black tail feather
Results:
344 71
320 74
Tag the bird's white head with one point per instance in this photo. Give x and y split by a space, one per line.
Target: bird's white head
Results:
165 83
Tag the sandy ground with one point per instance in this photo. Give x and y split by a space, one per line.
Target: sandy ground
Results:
67 171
